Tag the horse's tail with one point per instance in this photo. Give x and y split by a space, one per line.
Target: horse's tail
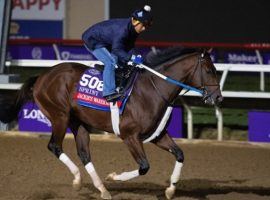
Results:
11 106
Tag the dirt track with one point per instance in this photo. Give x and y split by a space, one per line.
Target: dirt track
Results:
212 171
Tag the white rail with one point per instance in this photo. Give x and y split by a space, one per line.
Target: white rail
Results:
39 63
10 86
46 63
219 66
242 67
237 94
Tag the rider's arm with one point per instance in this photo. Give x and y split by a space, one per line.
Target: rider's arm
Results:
118 49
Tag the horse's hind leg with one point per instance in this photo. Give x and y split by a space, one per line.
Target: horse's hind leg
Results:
165 142
82 142
59 126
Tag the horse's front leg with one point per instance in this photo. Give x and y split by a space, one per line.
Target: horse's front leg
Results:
165 142
82 142
135 147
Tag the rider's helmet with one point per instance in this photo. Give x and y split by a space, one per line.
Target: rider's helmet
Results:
144 16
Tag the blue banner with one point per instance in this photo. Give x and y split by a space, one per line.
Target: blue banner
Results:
46 29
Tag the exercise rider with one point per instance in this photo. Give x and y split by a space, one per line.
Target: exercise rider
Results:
112 42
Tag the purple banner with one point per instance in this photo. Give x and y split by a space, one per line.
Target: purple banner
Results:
31 52
75 53
245 57
175 127
68 52
241 57
33 120
266 59
47 52
259 126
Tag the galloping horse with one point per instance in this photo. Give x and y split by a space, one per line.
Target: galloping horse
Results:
53 92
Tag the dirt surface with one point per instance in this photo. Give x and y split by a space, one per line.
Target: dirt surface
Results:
212 170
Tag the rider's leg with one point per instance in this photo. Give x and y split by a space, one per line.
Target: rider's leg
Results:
109 62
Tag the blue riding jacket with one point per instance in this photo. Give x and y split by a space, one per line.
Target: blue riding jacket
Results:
116 35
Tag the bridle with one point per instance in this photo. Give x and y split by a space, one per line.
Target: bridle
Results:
202 86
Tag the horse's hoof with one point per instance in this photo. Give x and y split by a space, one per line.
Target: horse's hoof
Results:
110 177
169 192
77 187
77 184
106 195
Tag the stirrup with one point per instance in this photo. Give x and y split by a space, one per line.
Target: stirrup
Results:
119 90
113 97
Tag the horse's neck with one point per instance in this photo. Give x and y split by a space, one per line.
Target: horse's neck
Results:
151 96
153 88
179 70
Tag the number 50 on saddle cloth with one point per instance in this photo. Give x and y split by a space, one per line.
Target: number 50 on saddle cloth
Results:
89 92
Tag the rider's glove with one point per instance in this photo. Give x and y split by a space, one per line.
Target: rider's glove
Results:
137 59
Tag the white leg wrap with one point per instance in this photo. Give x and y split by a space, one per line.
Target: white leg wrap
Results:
94 176
126 175
174 179
71 166
176 172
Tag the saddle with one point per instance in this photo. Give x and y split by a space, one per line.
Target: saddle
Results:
90 87
124 77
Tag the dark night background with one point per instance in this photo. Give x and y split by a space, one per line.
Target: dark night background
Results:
225 21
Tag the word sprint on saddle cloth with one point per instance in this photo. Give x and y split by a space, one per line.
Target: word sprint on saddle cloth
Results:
89 92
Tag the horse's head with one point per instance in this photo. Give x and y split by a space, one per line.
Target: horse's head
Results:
204 77
197 70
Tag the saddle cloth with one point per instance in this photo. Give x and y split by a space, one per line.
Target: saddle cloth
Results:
89 92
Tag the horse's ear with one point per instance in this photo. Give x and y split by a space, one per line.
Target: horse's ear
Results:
209 50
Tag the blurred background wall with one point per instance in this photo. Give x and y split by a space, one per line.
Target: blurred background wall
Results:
80 14
227 21
203 21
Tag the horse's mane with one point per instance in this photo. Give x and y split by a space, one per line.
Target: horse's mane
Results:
158 57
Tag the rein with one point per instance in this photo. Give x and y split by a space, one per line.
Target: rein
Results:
170 80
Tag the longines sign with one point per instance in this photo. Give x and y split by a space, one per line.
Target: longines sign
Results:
33 120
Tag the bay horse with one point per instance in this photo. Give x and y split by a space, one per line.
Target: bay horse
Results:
53 92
